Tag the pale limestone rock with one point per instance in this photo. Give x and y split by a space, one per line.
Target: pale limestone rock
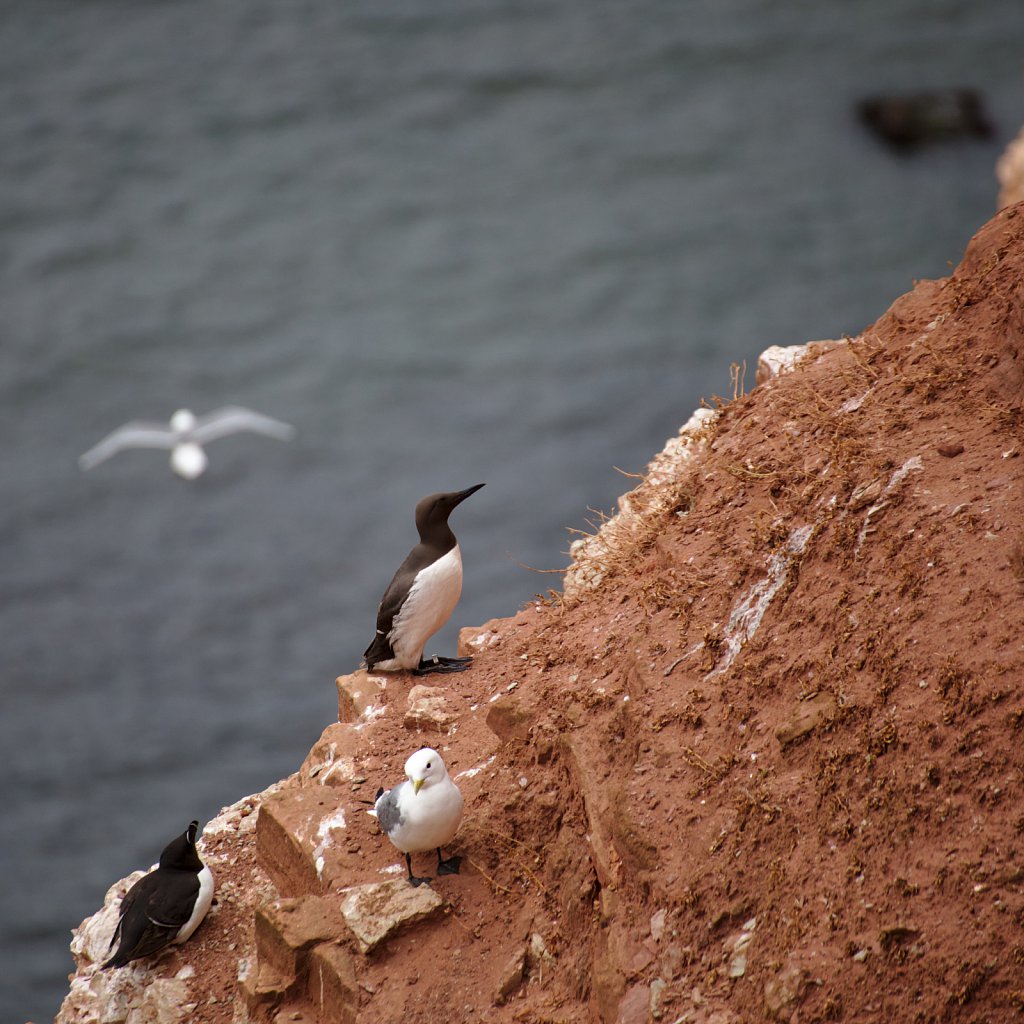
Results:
97 998
376 911
428 710
511 977
474 639
592 555
1010 172
658 987
736 949
538 952
163 1001
241 815
784 991
129 995
334 759
777 359
358 694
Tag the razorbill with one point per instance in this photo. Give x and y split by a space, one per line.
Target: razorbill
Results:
166 905
422 595
422 813
185 436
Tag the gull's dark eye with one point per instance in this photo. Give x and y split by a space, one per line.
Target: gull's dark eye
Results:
428 765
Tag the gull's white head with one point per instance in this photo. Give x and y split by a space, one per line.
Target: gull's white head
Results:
188 460
183 421
425 768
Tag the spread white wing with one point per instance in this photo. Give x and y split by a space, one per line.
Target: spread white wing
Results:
131 435
234 418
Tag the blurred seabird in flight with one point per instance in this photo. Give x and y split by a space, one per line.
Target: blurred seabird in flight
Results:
185 436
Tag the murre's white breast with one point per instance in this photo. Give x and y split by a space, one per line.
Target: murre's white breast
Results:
432 599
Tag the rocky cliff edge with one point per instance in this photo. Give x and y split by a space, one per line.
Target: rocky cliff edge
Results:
760 758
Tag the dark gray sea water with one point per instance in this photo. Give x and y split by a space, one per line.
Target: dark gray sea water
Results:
452 242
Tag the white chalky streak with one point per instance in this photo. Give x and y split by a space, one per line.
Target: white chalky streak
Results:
747 615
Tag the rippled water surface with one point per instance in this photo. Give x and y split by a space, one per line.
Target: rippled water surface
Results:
451 242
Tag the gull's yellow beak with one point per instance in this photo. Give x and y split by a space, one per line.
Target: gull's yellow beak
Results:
416 785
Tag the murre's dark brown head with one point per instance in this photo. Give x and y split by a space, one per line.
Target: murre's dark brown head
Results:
432 514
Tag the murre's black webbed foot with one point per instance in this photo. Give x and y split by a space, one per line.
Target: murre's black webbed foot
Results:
438 665
449 866
413 880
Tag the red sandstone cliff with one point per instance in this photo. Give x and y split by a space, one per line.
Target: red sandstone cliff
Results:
762 759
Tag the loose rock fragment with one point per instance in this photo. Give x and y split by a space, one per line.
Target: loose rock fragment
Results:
376 911
810 713
784 991
511 977
428 710
356 693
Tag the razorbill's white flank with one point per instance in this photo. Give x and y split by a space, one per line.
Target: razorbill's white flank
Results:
185 436
166 905
423 594
422 813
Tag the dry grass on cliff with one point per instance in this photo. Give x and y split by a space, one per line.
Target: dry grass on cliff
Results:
616 541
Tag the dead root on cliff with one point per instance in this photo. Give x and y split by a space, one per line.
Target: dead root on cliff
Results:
506 864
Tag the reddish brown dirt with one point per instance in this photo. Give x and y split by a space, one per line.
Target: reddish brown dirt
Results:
853 779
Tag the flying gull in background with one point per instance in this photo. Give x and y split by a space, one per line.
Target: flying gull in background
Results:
185 436
422 813
422 595
167 905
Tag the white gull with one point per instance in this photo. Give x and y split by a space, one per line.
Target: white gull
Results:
422 813
185 436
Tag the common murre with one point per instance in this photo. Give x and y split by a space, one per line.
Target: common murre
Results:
422 595
167 905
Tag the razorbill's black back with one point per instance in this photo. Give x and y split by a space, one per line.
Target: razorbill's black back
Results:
167 905
423 593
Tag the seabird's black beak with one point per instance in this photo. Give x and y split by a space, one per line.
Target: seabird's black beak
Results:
191 832
460 496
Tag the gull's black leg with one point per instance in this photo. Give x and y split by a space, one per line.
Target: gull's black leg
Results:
413 880
449 866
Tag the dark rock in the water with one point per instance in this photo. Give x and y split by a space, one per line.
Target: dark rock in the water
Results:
917 118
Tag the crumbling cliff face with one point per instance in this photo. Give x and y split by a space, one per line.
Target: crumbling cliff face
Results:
760 758
1010 172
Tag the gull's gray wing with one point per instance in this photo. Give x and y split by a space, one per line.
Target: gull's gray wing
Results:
138 434
233 418
388 814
